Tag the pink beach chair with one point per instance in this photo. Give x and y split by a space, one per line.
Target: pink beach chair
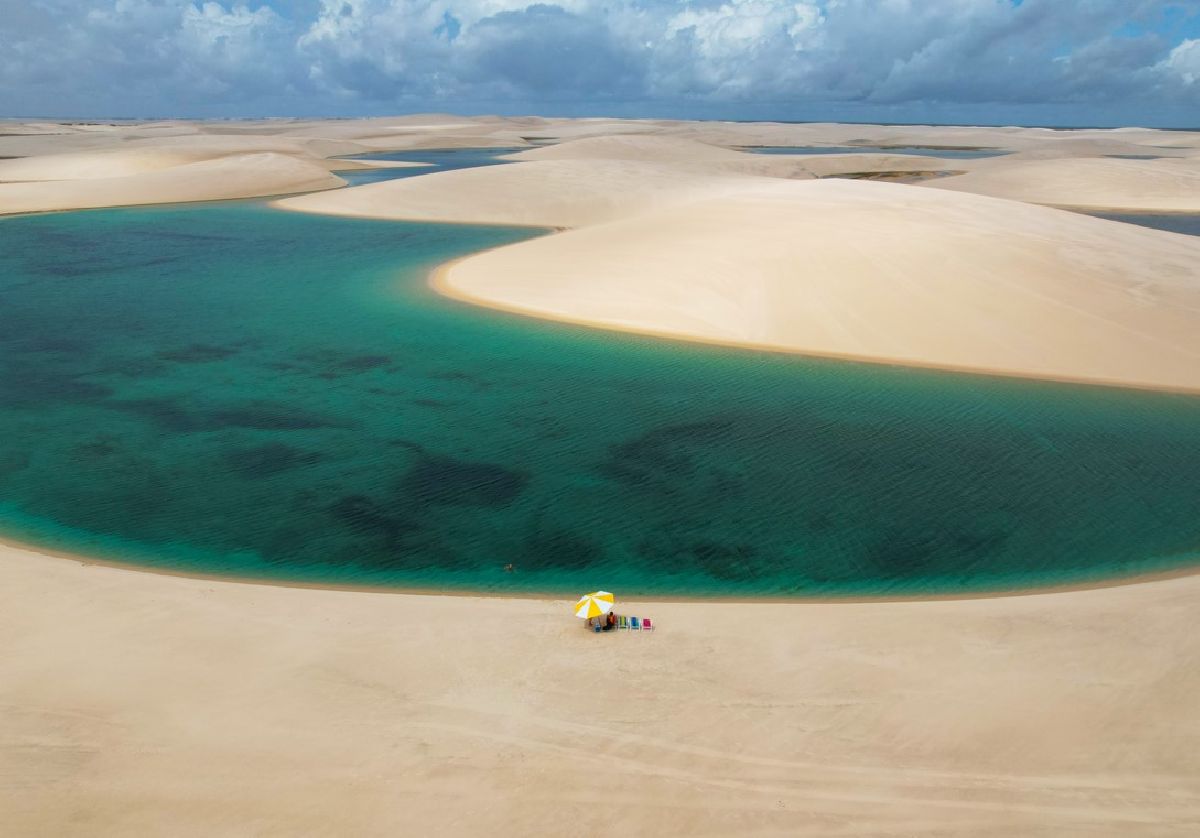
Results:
647 625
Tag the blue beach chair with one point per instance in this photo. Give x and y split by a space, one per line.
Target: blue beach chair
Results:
634 624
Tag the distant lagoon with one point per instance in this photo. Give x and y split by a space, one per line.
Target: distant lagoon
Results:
231 389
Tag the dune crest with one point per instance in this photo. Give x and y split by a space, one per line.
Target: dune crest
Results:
231 176
1096 183
539 193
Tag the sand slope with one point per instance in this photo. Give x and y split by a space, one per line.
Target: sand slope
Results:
98 164
232 176
659 149
875 271
540 193
1089 183
139 704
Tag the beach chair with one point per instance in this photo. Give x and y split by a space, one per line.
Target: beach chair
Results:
622 621
634 625
647 625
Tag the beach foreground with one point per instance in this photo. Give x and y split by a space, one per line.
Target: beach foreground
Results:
139 703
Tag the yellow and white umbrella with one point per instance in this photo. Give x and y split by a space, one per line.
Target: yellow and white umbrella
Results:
593 605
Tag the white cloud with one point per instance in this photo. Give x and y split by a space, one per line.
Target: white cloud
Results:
1184 62
170 55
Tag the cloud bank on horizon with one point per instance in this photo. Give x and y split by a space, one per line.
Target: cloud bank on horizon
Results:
1114 60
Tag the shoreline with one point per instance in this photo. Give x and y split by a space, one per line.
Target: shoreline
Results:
440 282
1192 569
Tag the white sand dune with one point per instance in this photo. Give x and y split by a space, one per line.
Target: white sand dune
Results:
142 704
232 176
652 149
874 271
1169 185
539 193
676 239
699 158
91 165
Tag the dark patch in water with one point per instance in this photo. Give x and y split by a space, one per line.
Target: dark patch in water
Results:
364 516
28 385
330 365
362 363
433 403
730 563
662 453
197 353
479 382
269 459
96 449
448 481
558 549
13 461
913 553
408 444
172 415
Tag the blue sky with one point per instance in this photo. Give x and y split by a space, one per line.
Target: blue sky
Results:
1067 62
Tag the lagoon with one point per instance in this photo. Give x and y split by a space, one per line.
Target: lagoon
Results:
231 389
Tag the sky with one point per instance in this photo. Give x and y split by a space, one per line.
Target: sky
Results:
1038 62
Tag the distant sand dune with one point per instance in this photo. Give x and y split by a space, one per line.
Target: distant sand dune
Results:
232 176
539 193
1170 185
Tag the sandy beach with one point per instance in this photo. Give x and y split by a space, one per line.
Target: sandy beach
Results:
141 703
145 703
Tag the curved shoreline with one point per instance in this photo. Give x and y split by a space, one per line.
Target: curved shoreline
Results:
440 282
550 596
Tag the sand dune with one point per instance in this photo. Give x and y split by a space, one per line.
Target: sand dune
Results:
874 271
655 149
540 193
1089 183
678 240
233 176
99 164
144 704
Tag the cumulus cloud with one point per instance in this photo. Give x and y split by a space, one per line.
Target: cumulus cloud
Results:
1184 62
336 55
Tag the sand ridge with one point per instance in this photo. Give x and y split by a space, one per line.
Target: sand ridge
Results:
1096 183
220 178
537 193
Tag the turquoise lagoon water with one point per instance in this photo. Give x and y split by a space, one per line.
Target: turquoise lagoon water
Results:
233 389
437 160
